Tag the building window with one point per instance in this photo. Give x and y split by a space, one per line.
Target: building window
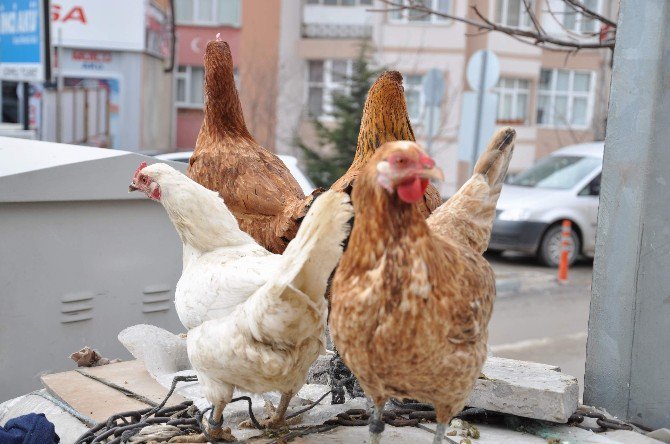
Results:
190 86
513 95
340 2
414 95
208 12
578 22
513 13
410 16
565 98
325 80
9 102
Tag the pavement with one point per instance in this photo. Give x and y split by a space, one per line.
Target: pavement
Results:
537 319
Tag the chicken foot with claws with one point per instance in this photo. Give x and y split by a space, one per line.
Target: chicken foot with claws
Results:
212 430
277 417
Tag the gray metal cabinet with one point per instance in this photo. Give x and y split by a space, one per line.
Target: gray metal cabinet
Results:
80 257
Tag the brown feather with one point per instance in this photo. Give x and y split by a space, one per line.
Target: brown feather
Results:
410 305
385 119
467 216
255 184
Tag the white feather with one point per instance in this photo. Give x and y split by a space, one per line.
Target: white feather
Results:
256 320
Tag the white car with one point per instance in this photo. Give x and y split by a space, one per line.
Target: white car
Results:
533 204
290 162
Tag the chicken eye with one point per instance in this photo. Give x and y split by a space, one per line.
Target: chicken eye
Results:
400 161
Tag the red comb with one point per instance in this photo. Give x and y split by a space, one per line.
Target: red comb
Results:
426 161
142 166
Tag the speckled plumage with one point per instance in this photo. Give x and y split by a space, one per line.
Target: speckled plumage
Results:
411 299
257 187
385 119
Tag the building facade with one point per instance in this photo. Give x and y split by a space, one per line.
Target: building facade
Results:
109 67
553 99
251 28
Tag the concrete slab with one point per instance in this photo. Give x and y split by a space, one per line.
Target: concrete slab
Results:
347 435
628 437
525 389
493 435
67 426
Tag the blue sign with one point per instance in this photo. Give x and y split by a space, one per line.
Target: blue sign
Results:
21 40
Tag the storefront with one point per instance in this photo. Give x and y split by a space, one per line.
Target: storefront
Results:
109 66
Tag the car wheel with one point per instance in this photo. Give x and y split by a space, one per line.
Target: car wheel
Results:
549 252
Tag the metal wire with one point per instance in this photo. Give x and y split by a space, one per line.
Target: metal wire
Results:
604 423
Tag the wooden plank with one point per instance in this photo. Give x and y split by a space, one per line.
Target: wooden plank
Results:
97 400
133 376
89 397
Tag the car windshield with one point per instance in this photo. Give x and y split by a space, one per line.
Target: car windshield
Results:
556 172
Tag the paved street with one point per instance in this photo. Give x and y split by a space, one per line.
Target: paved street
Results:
537 319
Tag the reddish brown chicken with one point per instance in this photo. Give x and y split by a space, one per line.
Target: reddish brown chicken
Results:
385 119
412 298
254 183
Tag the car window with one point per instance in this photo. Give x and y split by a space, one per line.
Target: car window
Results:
593 188
556 172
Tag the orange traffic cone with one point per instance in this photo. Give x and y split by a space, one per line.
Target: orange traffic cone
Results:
565 252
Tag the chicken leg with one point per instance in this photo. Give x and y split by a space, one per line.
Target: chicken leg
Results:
277 415
376 424
213 430
439 432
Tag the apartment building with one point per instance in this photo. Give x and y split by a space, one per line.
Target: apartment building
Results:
251 28
553 99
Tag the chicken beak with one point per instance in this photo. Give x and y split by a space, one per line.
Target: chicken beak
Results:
132 188
434 173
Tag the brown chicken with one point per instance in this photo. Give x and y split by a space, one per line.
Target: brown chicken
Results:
385 119
254 183
412 298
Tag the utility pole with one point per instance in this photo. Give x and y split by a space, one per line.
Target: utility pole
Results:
628 347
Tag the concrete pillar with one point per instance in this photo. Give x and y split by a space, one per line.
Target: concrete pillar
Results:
628 349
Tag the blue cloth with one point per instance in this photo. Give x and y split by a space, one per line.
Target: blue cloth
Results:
33 428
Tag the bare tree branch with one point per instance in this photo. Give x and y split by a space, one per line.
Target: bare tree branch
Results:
535 37
536 22
584 10
569 32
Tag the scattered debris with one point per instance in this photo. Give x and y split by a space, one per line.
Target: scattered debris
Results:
155 432
87 357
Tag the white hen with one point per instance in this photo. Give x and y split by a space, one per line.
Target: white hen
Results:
256 320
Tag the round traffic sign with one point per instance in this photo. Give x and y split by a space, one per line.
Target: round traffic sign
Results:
483 70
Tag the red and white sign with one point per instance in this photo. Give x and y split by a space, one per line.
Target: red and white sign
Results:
81 55
99 24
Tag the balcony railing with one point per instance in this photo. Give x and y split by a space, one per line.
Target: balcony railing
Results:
336 31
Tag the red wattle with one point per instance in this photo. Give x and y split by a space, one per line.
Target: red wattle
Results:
412 190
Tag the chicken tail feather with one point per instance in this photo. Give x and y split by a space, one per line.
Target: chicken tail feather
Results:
318 246
468 215
493 162
291 306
